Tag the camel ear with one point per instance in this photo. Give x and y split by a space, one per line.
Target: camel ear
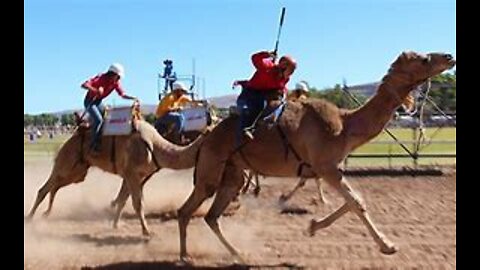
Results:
405 55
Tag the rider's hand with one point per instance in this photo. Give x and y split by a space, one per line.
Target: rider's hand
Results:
100 90
273 54
234 84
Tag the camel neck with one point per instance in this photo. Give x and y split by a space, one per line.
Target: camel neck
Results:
369 120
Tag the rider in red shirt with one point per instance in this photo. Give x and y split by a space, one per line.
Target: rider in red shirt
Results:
267 83
99 87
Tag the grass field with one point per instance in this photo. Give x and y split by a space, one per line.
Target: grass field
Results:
47 148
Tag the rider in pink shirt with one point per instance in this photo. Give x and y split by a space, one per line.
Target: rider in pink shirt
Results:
99 87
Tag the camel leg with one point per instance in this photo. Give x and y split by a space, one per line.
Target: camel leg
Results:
54 183
42 192
321 195
247 176
53 192
123 189
196 198
137 201
256 191
328 220
355 203
283 198
227 191
358 206
119 202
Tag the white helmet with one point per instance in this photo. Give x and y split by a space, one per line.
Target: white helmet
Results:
301 86
179 86
118 69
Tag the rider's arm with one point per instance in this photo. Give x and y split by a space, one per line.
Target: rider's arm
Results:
262 60
121 92
88 85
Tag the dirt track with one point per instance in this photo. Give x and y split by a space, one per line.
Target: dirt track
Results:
417 214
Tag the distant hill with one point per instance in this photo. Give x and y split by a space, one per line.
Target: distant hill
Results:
367 89
223 101
219 102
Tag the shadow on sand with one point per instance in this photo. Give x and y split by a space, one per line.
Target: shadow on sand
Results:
180 266
110 240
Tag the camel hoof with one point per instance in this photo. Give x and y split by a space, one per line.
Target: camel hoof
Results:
186 260
388 249
147 233
239 259
113 204
325 202
256 192
46 214
283 198
28 219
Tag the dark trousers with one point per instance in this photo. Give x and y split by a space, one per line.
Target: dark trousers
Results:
250 103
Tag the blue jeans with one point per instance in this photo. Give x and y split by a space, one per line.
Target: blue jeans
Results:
95 109
171 117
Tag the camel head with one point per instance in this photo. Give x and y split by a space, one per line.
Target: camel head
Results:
417 68
411 69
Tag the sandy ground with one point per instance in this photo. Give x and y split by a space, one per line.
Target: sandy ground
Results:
417 213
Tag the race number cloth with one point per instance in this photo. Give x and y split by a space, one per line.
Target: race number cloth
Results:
195 118
118 121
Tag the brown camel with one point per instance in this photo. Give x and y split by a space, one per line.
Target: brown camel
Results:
127 156
321 134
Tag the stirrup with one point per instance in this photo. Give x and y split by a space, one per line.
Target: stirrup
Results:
248 133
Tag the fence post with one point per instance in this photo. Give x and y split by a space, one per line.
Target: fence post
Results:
389 156
415 148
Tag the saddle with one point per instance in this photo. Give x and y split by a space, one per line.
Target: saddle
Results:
117 120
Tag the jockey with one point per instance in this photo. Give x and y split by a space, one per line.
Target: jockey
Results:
267 83
300 92
99 87
168 109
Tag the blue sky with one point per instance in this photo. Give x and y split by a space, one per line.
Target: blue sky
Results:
68 41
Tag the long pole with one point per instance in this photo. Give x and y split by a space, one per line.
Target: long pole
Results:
279 30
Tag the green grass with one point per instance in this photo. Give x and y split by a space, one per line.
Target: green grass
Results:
429 146
47 148
43 147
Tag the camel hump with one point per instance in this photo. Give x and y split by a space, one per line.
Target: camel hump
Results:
326 112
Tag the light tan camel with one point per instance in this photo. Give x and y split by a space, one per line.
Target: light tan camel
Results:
130 157
320 133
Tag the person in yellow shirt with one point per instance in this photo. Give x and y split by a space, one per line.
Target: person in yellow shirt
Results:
299 93
168 110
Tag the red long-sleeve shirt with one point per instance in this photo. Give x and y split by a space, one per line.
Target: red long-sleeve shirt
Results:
265 77
101 80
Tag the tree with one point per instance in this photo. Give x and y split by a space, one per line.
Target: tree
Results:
67 119
338 97
27 120
445 96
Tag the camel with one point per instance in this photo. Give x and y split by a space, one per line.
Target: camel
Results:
320 133
135 157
